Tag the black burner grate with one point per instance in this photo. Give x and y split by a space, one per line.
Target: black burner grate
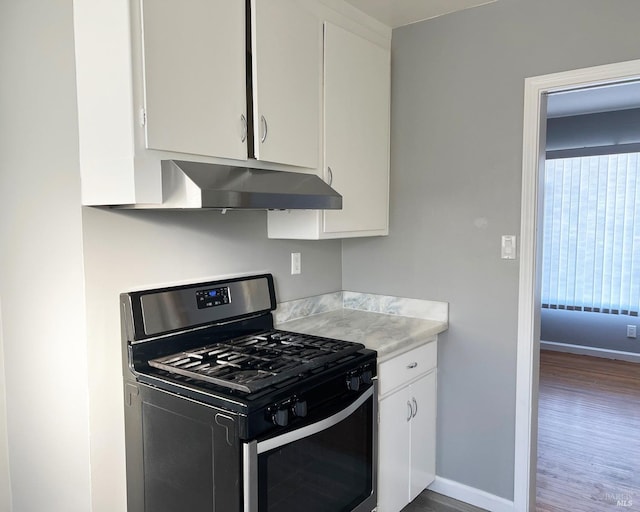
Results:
251 363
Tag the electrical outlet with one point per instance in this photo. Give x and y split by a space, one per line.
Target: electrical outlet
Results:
631 331
296 263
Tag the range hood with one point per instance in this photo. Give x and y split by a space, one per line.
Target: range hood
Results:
204 185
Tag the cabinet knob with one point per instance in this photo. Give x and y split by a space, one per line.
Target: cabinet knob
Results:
330 175
409 411
415 407
411 366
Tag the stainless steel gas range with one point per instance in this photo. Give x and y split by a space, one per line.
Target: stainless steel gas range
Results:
225 413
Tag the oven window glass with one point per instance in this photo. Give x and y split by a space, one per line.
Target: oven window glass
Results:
330 471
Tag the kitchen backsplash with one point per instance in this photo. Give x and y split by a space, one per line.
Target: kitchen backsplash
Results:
385 304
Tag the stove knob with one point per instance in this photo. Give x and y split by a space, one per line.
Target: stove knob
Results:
366 377
280 417
353 382
299 408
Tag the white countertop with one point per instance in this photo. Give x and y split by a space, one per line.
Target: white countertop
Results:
389 335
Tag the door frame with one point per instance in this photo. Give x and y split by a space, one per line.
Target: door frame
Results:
528 338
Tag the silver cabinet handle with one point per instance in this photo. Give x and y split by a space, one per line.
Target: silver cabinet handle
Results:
411 366
264 128
243 120
409 411
415 406
330 175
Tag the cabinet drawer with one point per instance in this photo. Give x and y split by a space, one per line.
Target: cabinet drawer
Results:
404 368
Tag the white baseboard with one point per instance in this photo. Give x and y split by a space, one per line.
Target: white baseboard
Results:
590 351
471 495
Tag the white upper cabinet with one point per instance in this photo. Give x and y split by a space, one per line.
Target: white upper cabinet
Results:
356 131
195 79
287 83
355 142
184 79
195 76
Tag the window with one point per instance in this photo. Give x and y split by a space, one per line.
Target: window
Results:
591 240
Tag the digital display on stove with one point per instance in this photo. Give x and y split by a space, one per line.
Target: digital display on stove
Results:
213 297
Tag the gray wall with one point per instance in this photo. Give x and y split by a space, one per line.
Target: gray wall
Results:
62 267
456 151
596 330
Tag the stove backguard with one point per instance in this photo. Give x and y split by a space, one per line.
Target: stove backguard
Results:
158 312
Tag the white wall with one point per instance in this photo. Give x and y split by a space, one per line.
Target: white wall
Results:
5 487
456 160
41 267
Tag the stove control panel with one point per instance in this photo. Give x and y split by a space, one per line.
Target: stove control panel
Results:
280 414
213 297
322 397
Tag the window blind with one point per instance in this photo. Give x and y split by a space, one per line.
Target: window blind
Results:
591 234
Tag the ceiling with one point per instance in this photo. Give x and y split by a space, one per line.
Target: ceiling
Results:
397 13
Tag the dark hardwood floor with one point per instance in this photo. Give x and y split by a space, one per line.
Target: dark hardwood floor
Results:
429 501
589 434
588 438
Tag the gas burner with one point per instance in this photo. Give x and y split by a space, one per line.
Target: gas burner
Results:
251 363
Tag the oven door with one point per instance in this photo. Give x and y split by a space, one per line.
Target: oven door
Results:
326 465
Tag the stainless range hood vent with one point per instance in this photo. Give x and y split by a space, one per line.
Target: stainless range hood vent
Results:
203 185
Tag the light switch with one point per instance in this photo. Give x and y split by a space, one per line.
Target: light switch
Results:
508 248
296 263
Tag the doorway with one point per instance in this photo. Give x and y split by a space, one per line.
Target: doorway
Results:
534 144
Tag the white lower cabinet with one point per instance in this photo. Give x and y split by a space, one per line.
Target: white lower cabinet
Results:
407 428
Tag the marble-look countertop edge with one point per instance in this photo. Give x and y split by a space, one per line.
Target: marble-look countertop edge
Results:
390 335
373 303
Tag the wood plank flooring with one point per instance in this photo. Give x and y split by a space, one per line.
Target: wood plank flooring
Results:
429 501
589 434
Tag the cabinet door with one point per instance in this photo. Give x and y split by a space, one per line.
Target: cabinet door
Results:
394 454
287 65
356 130
195 76
423 434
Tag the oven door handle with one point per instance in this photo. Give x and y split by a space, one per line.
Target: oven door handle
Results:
314 428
